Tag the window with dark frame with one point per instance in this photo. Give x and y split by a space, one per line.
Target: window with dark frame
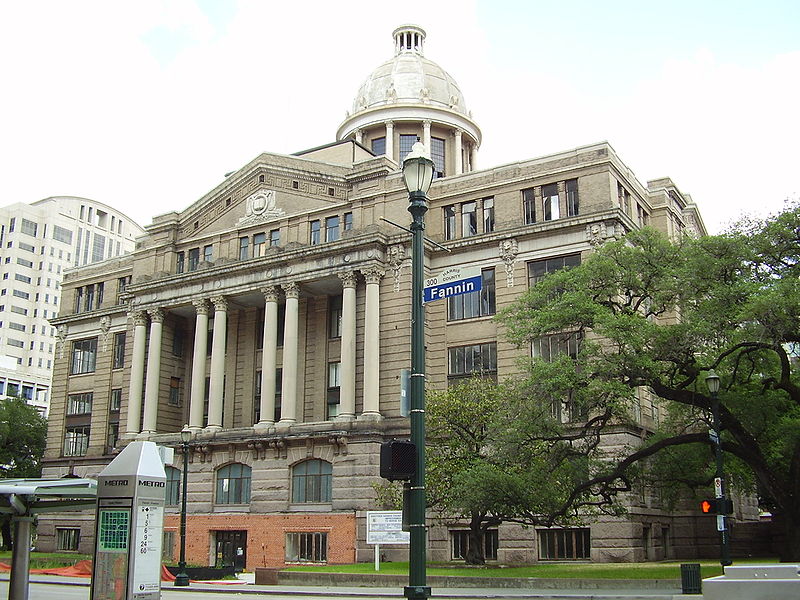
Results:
274 237
68 539
175 392
488 214
550 211
334 386
348 221
76 440
537 269
208 253
379 146
315 232
311 481
259 245
172 495
119 350
244 248
529 205
180 259
460 544
307 546
474 304
473 360
84 356
407 142
194 259
449 222
437 155
335 317
233 484
79 404
573 207
332 229
469 219
565 544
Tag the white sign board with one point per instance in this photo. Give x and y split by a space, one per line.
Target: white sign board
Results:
718 487
386 527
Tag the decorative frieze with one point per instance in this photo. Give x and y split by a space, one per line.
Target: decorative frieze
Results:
508 254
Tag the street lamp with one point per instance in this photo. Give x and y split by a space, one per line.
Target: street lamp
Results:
182 579
418 176
712 381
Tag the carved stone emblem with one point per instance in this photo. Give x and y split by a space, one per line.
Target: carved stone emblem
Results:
508 254
261 207
396 256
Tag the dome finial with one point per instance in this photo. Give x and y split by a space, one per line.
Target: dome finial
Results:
408 38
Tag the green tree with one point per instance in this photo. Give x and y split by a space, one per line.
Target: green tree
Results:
657 316
485 467
22 440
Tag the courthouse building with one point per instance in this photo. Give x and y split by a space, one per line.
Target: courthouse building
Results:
273 316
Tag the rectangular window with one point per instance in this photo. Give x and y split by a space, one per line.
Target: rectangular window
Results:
18 309
307 546
22 278
348 221
16 326
178 341
98 247
89 303
314 232
488 215
15 344
571 186
259 244
21 294
335 317
274 237
84 355
244 248
175 391
194 259
28 247
474 304
550 346
437 154
62 234
449 222
100 293
564 544
379 146
477 359
25 263
469 219
67 540
79 404
28 227
334 383
529 206
332 229
550 202
180 258
119 350
76 440
116 400
122 285
208 253
539 268
460 544
11 224
407 142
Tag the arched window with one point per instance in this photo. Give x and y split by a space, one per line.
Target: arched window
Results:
173 495
233 484
311 481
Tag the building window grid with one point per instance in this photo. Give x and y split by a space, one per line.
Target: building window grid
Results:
488 215
474 304
84 355
407 142
332 228
475 359
274 238
449 222
80 404
537 269
573 206
379 146
233 484
76 440
311 482
68 539
244 248
469 219
307 546
564 544
259 245
438 157
460 544
173 488
315 232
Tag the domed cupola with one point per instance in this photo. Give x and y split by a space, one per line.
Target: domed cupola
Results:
411 97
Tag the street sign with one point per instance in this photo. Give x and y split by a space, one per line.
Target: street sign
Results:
721 523
718 487
452 282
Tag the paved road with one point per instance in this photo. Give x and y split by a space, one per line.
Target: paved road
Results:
45 588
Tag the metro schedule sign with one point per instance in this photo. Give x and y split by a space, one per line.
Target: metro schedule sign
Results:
452 282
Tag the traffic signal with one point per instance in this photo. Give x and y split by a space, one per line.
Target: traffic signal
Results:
712 507
398 460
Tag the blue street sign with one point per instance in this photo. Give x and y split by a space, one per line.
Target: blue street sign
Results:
452 282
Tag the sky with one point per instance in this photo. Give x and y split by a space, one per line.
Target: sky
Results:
145 105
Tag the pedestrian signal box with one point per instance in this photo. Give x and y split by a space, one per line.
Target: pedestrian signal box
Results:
713 506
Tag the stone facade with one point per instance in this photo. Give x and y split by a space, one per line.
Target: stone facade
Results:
273 317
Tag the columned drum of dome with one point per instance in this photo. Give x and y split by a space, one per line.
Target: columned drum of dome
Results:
412 97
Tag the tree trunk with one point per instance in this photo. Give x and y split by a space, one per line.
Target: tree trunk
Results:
789 525
475 546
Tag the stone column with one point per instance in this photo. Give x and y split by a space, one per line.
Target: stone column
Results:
459 153
473 157
347 389
217 384
153 377
372 345
390 140
426 136
197 400
360 135
290 347
269 357
137 372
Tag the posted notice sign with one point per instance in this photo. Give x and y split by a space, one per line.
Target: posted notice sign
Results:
452 282
386 527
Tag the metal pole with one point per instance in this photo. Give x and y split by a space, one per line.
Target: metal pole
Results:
20 558
182 578
725 552
417 588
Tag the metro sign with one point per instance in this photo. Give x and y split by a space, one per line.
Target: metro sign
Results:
452 282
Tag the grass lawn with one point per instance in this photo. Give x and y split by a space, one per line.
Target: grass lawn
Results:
650 570
48 560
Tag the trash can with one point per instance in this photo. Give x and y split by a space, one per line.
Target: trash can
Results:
691 583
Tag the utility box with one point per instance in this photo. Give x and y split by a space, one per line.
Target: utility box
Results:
129 526
754 582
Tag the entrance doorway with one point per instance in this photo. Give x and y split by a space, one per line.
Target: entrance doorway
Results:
231 549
